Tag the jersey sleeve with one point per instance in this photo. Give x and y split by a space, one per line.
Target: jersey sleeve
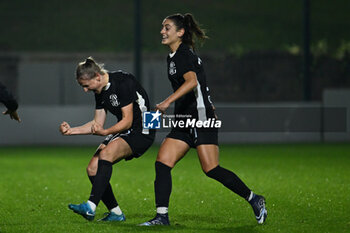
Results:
185 63
127 92
7 99
98 100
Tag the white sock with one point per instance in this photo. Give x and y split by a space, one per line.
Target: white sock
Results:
92 205
250 196
117 210
162 210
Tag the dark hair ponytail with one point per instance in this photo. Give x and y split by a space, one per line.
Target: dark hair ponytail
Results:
191 27
88 69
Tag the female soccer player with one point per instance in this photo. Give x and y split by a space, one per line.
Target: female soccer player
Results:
10 102
120 94
191 97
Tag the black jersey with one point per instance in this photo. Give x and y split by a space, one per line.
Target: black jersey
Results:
7 99
122 90
197 102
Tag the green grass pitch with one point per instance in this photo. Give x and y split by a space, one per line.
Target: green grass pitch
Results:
306 188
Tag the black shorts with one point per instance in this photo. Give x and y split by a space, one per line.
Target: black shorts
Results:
195 136
138 142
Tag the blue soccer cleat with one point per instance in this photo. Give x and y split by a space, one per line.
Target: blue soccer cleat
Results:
258 205
84 210
159 219
112 217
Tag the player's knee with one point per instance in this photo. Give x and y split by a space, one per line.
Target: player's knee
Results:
206 168
91 170
213 172
167 162
166 159
105 154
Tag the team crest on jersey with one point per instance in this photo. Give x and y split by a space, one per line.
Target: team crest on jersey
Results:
114 100
199 61
172 68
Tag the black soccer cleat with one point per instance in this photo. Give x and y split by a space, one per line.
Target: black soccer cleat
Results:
159 219
258 205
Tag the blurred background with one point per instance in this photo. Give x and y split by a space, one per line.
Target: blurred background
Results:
278 71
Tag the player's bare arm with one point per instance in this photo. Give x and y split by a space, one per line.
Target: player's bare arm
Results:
190 83
66 129
100 117
124 124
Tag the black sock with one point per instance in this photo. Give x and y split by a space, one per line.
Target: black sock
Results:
108 197
229 180
104 173
162 184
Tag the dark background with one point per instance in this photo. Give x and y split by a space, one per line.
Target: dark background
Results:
254 54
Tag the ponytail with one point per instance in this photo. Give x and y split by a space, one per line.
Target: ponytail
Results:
88 69
191 27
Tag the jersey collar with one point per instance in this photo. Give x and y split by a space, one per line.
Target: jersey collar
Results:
182 46
105 88
172 54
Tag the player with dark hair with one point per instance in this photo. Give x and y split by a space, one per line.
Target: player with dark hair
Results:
120 94
191 97
10 102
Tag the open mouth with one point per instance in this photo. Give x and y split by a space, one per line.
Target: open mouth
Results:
164 38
